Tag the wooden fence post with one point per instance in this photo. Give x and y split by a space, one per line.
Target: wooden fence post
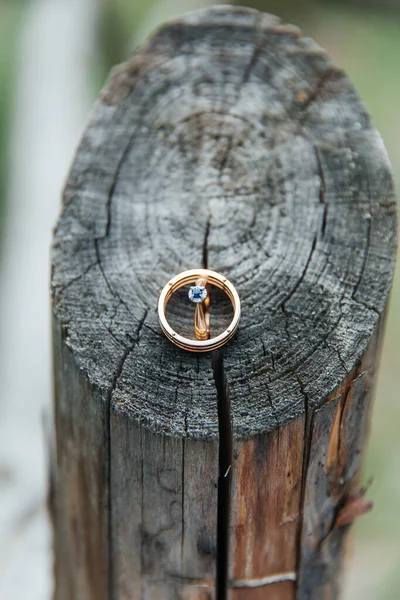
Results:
229 142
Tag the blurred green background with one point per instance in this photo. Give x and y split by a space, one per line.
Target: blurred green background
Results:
363 37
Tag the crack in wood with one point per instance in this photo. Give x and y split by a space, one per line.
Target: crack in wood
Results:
272 406
322 190
225 451
257 48
313 96
225 456
127 352
338 354
183 499
142 521
58 291
367 246
297 284
308 423
114 182
204 260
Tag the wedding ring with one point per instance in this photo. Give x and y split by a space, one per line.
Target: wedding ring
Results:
200 281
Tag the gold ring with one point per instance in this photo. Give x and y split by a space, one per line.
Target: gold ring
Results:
199 293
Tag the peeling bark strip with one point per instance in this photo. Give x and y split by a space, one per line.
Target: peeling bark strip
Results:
230 141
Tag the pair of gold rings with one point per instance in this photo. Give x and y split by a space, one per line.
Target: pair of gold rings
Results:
200 281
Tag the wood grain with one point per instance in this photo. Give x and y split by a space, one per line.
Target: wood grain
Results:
230 142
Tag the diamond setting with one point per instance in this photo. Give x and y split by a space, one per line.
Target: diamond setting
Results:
197 293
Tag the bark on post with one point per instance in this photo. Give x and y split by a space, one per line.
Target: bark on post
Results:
229 142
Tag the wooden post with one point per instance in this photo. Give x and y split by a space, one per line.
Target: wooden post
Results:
229 142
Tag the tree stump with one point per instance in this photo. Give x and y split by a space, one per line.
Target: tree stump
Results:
230 142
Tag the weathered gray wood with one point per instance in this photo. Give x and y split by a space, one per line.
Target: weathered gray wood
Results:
230 142
81 492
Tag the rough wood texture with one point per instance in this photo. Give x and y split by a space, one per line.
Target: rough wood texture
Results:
229 142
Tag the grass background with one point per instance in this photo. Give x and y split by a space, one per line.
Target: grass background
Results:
10 21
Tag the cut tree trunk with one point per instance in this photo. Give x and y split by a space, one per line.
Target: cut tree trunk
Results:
232 143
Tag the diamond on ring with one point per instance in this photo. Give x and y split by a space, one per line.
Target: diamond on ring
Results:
197 293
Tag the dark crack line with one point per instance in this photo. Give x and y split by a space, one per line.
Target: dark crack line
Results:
322 189
303 275
337 352
114 181
225 157
97 250
61 290
272 407
367 306
113 293
127 352
365 257
185 421
273 360
141 558
297 285
225 456
183 505
108 327
346 397
271 356
112 334
309 354
313 96
258 244
204 258
365 260
255 54
308 422
286 315
110 524
120 367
